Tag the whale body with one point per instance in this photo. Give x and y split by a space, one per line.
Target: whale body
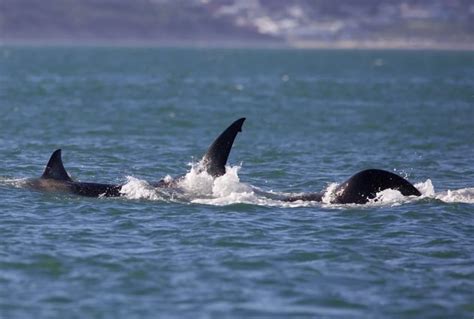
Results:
358 189
56 179
362 187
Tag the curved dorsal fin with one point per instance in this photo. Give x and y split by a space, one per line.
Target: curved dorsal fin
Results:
215 159
55 168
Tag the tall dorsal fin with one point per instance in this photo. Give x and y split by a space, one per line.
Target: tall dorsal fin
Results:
55 168
215 159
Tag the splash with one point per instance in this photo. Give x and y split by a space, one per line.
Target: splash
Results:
464 195
229 184
330 194
390 197
139 189
201 188
223 190
197 181
426 188
197 186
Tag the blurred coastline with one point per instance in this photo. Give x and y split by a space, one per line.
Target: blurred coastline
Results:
371 24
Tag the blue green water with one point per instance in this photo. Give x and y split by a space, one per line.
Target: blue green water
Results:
226 247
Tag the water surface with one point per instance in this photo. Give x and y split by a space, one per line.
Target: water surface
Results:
227 248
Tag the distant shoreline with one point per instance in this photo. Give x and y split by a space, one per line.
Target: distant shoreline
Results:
296 44
385 45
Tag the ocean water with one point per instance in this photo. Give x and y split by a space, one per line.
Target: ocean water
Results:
228 247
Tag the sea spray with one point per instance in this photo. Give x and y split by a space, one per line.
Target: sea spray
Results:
426 188
330 193
139 189
197 182
464 195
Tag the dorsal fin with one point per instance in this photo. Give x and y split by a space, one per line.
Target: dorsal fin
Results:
55 168
215 159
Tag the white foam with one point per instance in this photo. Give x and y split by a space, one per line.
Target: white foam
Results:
139 189
426 188
250 198
389 197
201 188
463 195
197 186
223 190
197 181
330 193
229 183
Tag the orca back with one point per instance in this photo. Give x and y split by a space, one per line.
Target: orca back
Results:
55 177
365 185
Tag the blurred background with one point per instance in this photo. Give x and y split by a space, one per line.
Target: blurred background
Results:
445 24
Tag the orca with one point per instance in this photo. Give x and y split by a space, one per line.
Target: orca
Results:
215 159
358 189
363 187
56 179
216 156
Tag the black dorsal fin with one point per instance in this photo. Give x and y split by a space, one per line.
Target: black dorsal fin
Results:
215 159
55 168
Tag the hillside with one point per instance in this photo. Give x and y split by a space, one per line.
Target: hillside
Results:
304 23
